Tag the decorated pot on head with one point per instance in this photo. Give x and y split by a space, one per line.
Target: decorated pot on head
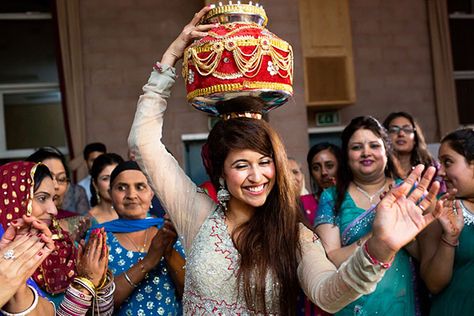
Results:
239 58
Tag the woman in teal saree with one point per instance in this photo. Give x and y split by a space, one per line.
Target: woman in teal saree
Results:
346 213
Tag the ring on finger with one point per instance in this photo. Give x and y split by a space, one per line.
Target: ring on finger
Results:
9 254
422 197
422 207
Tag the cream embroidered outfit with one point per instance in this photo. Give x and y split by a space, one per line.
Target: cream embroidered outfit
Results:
212 260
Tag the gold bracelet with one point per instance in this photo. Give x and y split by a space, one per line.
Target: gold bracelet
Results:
87 284
103 282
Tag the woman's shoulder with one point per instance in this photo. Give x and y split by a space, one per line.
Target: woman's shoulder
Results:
329 193
328 198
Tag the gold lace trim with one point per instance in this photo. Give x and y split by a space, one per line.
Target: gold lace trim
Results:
29 206
248 64
226 87
224 76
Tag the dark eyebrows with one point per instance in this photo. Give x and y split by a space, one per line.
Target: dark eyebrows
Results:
121 184
42 192
238 161
246 161
62 173
369 142
129 184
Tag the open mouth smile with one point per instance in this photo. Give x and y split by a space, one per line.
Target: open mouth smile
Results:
258 189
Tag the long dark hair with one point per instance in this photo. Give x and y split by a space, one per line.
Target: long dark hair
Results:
100 163
420 153
273 226
344 172
462 142
313 151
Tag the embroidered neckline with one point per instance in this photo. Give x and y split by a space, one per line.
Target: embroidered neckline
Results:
224 243
468 216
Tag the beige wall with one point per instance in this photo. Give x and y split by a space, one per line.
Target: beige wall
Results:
123 38
393 61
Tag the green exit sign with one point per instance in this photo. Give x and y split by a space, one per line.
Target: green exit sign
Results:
327 118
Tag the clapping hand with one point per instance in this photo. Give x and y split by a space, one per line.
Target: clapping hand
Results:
451 218
23 247
400 214
164 239
93 257
23 226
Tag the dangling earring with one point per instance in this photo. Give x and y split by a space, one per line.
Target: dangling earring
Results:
97 196
223 195
29 208
59 230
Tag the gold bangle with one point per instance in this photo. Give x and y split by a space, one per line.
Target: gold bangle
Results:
103 282
86 283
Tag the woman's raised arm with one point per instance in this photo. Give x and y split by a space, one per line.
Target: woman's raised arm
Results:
178 194
399 218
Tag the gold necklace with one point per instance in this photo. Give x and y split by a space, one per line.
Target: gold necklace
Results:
142 249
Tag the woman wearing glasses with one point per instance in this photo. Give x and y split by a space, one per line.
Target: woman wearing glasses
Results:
409 146
408 141
56 163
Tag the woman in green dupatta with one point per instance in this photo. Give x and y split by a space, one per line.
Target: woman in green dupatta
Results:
346 213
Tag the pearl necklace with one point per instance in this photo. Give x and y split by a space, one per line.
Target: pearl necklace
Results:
367 195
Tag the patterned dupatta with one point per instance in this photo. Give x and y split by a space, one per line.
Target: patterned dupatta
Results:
16 191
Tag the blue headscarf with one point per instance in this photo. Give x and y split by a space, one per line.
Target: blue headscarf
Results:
122 225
